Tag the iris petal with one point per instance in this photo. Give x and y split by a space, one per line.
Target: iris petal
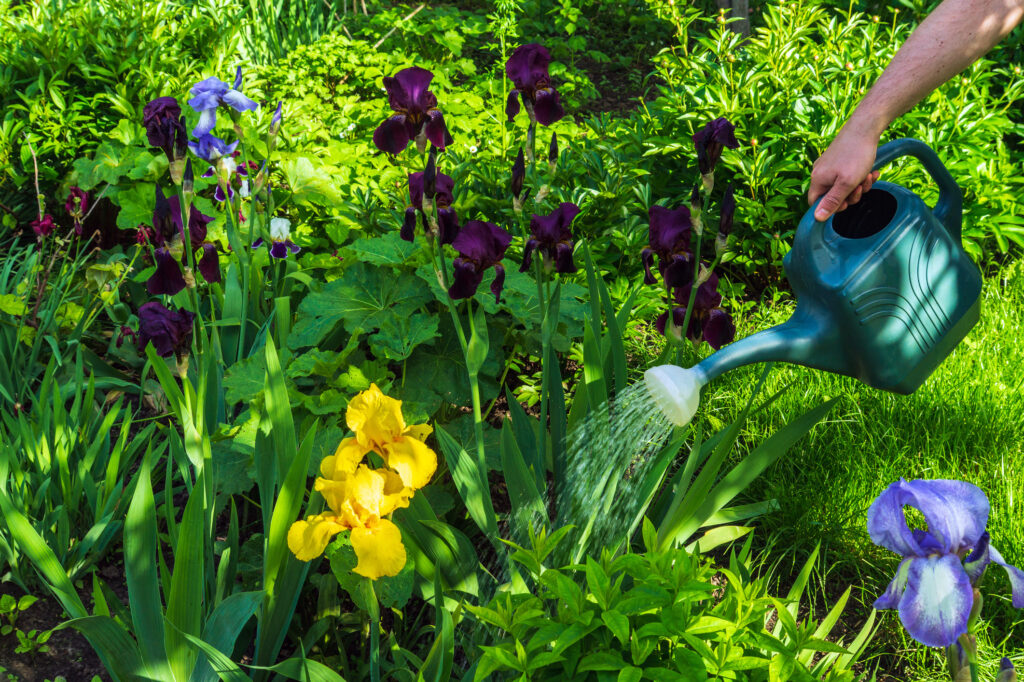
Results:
436 130
512 105
465 279
375 418
379 549
563 258
207 120
308 539
956 513
345 459
391 136
548 106
168 278
1015 575
412 459
531 245
209 264
937 602
718 329
498 283
890 599
238 101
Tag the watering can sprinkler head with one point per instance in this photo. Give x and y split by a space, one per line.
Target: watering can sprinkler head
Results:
675 390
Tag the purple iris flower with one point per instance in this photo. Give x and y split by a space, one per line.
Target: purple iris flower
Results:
1007 673
416 114
211 148
275 120
165 127
43 227
209 94
708 322
170 331
934 585
447 219
480 245
234 171
527 68
280 243
168 237
710 141
668 236
551 235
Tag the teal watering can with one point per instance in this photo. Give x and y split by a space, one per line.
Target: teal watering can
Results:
884 293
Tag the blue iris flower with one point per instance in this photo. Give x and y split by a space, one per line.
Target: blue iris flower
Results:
934 584
209 94
211 147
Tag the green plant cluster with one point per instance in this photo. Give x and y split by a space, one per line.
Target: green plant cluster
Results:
657 615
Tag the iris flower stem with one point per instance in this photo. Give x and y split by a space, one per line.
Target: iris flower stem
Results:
542 306
974 672
696 267
374 637
193 298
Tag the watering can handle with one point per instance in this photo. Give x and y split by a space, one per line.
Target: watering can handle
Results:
949 208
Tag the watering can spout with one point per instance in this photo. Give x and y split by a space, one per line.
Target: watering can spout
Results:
676 390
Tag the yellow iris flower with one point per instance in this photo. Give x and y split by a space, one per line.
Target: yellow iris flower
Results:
358 497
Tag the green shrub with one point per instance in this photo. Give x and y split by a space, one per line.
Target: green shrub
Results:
657 615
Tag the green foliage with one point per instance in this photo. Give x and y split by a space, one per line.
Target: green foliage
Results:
30 642
663 614
66 465
72 69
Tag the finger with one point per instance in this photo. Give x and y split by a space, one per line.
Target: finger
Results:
833 201
854 196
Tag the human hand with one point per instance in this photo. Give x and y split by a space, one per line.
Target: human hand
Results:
843 173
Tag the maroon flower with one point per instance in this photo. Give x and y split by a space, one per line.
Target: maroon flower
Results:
480 245
710 141
417 116
43 227
527 68
708 322
551 235
165 127
170 331
669 238
447 219
76 205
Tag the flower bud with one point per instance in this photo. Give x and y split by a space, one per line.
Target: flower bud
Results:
1007 673
190 278
518 175
275 122
708 180
542 193
177 170
188 182
421 142
430 176
553 153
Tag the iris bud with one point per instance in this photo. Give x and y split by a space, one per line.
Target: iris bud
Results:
1007 673
553 153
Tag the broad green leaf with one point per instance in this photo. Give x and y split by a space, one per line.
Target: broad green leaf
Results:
400 335
363 299
244 380
386 249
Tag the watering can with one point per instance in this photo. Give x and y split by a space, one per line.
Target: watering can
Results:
884 293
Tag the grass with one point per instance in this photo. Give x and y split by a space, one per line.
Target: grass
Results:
966 422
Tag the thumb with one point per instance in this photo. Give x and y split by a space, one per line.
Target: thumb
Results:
832 200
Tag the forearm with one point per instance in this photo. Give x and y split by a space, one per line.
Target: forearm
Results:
949 40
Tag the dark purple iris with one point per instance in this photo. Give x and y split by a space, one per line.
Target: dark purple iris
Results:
708 322
168 237
43 227
170 331
710 141
527 68
209 94
551 235
669 239
447 219
416 114
480 245
165 127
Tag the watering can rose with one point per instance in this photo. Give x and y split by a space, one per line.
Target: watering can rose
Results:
359 497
